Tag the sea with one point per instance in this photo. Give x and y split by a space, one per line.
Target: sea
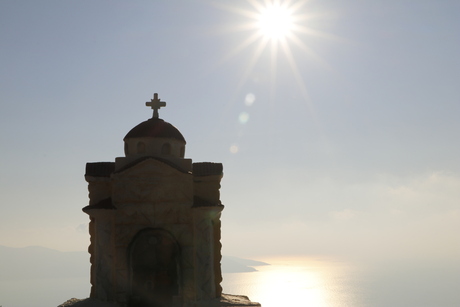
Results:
293 282
329 282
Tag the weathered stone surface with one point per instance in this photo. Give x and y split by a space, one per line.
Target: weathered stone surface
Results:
155 226
152 181
99 188
230 300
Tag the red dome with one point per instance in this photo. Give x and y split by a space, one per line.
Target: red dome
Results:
155 128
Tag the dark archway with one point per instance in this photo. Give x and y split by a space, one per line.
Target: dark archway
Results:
154 268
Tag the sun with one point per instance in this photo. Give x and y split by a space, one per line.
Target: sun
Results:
276 36
275 21
272 44
273 26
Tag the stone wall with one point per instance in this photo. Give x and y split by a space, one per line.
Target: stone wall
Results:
153 195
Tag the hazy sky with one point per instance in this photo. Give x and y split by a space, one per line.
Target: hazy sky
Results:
341 138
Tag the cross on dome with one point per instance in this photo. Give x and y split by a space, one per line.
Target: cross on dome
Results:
156 104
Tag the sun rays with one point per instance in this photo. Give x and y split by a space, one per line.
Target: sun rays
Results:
273 41
277 28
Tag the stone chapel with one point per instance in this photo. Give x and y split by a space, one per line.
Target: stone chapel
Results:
155 223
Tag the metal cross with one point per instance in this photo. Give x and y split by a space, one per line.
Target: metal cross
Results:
156 104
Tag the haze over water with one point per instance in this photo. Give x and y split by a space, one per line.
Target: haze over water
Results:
287 281
317 282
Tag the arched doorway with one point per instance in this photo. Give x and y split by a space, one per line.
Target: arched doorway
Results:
153 262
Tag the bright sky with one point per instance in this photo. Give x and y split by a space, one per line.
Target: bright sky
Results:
337 126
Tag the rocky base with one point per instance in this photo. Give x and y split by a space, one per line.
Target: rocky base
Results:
226 300
88 302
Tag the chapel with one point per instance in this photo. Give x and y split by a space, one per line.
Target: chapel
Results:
155 222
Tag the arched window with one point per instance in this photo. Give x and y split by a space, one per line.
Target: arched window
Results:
166 149
140 147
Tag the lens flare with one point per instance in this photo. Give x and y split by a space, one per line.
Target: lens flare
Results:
234 149
243 117
249 99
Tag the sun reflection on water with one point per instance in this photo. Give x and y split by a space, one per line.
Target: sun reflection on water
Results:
288 287
292 282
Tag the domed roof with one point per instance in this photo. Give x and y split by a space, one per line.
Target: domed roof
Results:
155 128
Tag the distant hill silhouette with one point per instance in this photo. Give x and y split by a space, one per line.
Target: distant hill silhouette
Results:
239 265
36 262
